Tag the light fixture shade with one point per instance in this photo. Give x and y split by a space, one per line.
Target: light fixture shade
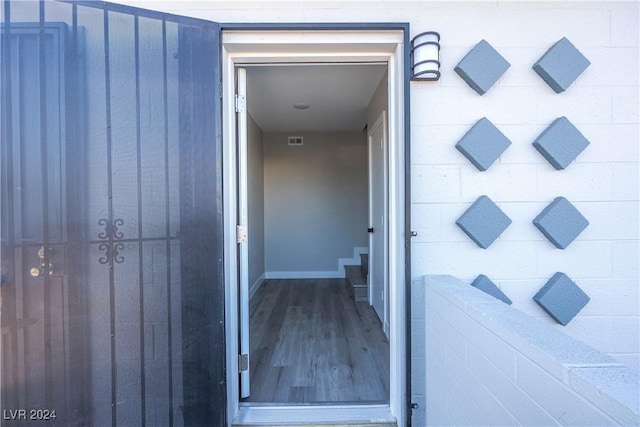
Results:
425 56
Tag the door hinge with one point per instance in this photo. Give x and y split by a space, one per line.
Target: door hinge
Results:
243 362
241 233
241 104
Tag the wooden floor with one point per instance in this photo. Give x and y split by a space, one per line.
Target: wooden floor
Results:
312 344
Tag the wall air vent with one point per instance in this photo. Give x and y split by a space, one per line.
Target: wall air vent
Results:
295 141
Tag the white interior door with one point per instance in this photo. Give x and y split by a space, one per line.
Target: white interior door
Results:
378 282
243 220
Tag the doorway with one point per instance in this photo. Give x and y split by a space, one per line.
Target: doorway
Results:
312 338
348 48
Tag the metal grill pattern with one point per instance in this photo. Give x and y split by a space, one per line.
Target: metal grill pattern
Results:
112 299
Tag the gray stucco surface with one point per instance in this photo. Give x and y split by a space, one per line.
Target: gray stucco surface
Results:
561 65
483 222
482 67
561 298
483 144
487 286
560 222
560 143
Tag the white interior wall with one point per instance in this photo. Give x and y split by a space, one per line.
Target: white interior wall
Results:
315 201
379 101
602 183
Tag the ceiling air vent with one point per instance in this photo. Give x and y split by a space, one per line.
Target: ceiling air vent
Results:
295 141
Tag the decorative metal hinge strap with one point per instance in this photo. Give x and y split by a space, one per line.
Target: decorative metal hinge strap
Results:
243 362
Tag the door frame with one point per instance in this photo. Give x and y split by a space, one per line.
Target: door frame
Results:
304 43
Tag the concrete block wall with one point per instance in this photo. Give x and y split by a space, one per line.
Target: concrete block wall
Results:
418 359
602 183
490 364
521 182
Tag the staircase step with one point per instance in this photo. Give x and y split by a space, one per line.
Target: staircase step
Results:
354 275
364 263
357 281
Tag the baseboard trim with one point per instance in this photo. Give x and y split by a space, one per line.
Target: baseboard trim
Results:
304 275
256 285
338 274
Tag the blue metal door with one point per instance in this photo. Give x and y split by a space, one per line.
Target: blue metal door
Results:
112 285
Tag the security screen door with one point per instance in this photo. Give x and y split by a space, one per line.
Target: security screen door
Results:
112 286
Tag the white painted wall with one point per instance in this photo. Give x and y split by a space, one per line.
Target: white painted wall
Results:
379 101
315 200
490 364
603 183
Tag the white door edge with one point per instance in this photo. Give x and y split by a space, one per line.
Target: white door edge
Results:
380 123
277 46
243 220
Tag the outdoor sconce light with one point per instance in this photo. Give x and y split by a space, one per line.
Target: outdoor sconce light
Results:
425 56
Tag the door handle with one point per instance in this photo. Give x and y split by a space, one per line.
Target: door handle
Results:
370 230
39 270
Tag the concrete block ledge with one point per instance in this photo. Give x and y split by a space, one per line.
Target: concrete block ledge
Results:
586 384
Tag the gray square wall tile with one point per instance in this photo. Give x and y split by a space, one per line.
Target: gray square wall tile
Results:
560 143
487 286
483 144
561 298
482 67
483 222
561 65
561 222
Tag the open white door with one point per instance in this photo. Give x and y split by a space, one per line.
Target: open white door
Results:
378 195
243 220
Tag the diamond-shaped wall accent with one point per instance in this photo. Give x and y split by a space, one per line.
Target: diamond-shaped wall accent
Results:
561 298
482 67
483 144
483 222
561 222
561 65
485 284
560 143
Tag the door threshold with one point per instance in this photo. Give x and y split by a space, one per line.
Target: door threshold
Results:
328 415
325 405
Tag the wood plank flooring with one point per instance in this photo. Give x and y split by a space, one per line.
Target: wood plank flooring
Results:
311 343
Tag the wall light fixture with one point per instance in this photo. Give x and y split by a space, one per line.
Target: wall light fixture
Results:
425 56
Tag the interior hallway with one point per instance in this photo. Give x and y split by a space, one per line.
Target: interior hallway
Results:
311 343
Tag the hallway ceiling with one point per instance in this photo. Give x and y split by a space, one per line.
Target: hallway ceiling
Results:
337 95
